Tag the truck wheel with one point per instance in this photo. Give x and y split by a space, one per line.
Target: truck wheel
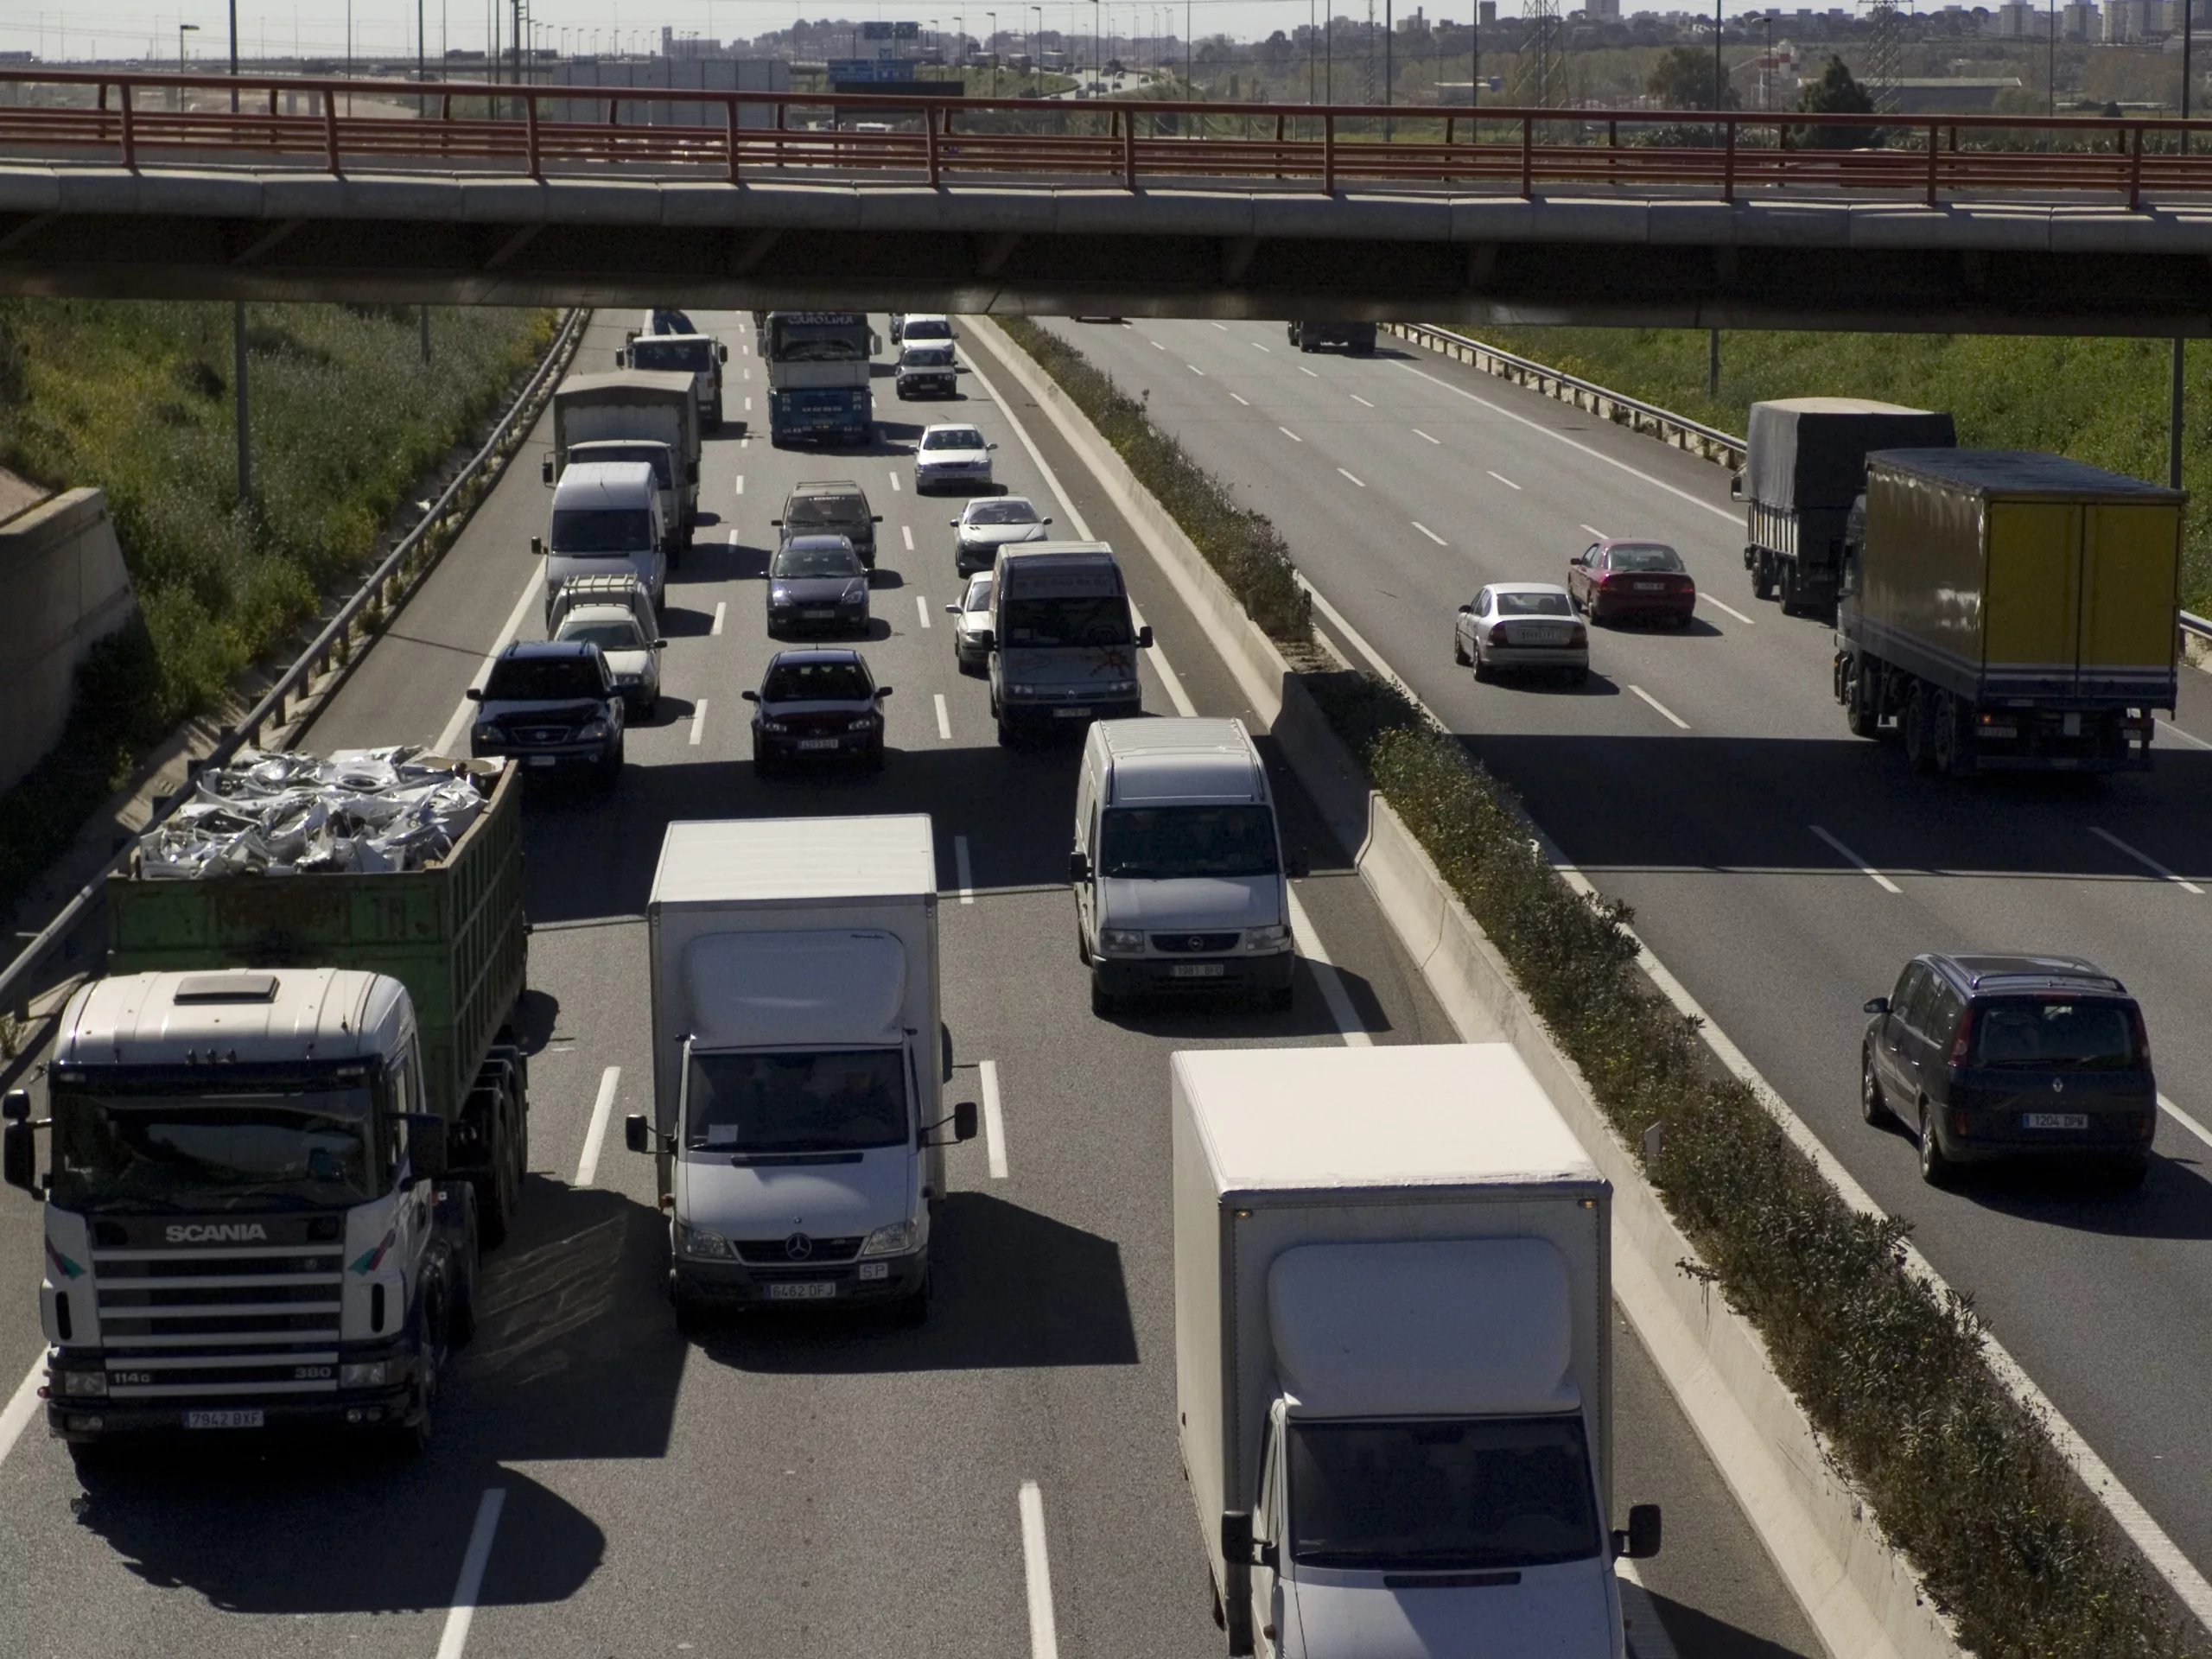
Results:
1859 716
1762 578
1954 746
1919 748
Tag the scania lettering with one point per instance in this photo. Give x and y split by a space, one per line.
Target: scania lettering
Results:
818 376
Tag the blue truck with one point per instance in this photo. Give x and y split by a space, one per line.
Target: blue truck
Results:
819 369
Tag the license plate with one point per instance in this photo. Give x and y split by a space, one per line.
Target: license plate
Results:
541 760
1651 587
817 743
2054 1120
821 1290
818 616
1540 637
1197 970
1071 714
222 1418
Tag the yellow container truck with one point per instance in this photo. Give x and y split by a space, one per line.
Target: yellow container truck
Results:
2007 610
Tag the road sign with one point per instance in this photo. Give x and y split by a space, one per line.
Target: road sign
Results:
843 70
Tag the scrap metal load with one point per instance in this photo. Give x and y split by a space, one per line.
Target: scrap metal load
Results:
360 812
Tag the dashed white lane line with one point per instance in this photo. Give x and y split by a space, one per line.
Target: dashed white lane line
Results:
993 1120
1594 530
698 722
1292 436
1855 861
2164 1105
1748 622
740 483
944 717
1223 327
1661 707
1353 477
470 1584
1361 401
2146 860
722 613
1431 534
922 609
1418 433
1258 347
2189 738
1501 477
894 483
1309 374
1037 1574
602 1108
963 870
1156 345
1195 369
22 1407
1348 1023
1245 401
907 534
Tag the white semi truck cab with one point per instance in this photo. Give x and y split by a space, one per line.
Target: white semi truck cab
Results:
246 1225
1394 1356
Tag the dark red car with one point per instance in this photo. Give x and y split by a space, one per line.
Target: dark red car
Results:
1620 577
816 705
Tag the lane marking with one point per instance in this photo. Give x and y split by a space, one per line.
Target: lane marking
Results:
1168 676
1857 862
1195 369
1598 533
1292 436
1037 1571
1426 531
1500 477
1707 599
1245 401
748 405
2189 738
1021 430
1222 326
745 374
1597 454
993 1120
1354 480
722 610
1418 433
1647 1631
944 717
1303 370
907 534
2164 1105
595 1136
464 716
2146 860
1157 347
1661 707
22 1407
1258 347
964 871
1361 401
470 1584
922 608
1348 1024
740 483
894 483
698 722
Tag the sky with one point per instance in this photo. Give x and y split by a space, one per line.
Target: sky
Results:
112 28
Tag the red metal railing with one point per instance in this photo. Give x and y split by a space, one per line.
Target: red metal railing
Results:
550 131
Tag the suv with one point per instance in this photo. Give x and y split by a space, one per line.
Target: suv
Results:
834 507
1991 1057
553 705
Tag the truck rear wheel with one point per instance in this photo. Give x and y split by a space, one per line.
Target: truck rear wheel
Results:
1859 712
1919 719
1762 577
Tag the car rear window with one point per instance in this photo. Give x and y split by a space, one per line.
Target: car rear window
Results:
544 679
824 510
816 682
607 636
929 357
2045 1031
1534 605
793 563
1006 509
1645 556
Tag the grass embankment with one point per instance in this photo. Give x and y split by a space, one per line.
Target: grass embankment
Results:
2101 401
1962 1478
135 398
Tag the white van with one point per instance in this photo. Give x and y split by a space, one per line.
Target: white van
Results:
924 328
605 522
1180 882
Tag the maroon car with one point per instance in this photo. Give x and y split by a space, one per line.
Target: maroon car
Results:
1618 578
816 705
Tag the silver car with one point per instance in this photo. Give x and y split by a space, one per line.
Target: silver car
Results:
971 625
952 457
1522 625
990 523
634 659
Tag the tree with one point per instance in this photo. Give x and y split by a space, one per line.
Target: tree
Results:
1837 92
1682 79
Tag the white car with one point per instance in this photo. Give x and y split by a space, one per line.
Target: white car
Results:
971 625
634 659
989 522
952 457
1522 625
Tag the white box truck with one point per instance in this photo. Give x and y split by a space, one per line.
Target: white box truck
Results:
1393 1356
799 1061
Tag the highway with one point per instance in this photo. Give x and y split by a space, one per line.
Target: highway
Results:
599 1484
1782 869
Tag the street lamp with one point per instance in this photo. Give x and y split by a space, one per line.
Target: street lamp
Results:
182 29
993 16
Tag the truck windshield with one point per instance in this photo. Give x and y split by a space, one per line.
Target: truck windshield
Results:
1059 621
817 342
1483 1493
591 531
121 1154
696 355
2047 1033
1164 843
845 1101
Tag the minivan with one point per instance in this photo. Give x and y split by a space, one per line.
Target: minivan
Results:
1063 644
605 522
1180 881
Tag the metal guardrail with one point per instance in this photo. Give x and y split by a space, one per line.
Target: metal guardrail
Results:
385 585
544 127
2193 624
1617 407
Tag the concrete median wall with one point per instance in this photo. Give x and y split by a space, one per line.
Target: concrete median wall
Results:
62 570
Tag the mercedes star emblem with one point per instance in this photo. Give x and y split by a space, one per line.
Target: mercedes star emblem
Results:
799 1247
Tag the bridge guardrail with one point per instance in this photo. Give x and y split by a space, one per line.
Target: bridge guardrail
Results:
384 588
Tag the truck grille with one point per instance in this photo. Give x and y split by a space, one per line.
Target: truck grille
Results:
779 1249
208 1323
1194 943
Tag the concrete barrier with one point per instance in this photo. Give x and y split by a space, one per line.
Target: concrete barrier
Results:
67 590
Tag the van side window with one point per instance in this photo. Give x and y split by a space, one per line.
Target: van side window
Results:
1911 985
1946 1008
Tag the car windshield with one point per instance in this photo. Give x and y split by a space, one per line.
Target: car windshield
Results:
1643 556
594 530
678 354
1005 510
800 562
2044 1032
930 357
926 328
841 1101
654 455
544 679
952 437
825 682
1510 604
118 1152
979 595
824 510
607 636
1165 843
1499 1492
1076 619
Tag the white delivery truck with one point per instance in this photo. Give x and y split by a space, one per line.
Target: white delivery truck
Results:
1393 1356
799 1060
606 417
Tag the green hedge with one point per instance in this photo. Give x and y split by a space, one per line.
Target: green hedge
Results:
1962 1478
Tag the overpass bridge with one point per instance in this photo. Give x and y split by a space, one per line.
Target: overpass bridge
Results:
283 188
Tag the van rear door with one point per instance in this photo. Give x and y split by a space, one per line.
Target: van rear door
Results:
2031 598
2131 569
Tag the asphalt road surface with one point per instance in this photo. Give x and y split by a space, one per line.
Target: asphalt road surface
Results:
788 1487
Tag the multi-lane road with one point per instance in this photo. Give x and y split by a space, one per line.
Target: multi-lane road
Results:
1782 869
600 1485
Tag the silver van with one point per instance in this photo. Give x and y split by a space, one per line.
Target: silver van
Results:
1063 646
1180 878
605 522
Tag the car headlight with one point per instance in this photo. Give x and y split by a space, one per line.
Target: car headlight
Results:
861 723
776 726
890 1240
1023 690
590 729
84 1384
1122 689
1121 941
698 1240
1266 939
368 1374
484 732
629 679
858 596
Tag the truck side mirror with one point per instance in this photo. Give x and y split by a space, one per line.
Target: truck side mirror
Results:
426 1145
1735 487
621 359
637 1133
963 1121
750 696
1264 1554
1876 1005
537 546
546 469
1641 1542
690 471
1144 638
1237 1536
723 352
18 1147
1078 868
474 694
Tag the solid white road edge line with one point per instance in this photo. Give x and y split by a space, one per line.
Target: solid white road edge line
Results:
2164 1105
595 1137
993 1119
2189 738
722 613
1856 862
698 721
1348 1022
1707 599
922 608
461 721
1661 707
964 871
22 1407
1168 676
944 717
2146 860
1647 1631
1020 430
470 1584
1037 1572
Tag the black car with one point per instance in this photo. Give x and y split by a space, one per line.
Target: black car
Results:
816 705
1309 335
552 704
832 507
2008 1057
816 584
928 372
